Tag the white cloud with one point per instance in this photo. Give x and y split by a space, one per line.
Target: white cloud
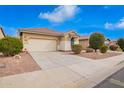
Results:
117 25
120 24
109 26
60 14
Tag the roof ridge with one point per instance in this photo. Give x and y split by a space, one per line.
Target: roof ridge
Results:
31 28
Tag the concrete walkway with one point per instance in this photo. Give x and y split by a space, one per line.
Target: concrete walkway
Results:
61 70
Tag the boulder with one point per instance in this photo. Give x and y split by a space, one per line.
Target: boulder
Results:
2 65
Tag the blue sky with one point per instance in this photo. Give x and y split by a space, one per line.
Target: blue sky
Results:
84 19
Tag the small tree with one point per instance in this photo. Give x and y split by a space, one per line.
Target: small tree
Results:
120 42
96 40
10 46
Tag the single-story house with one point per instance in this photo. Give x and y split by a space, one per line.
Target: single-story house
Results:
2 35
44 39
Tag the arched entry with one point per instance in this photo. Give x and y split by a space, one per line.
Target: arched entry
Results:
72 41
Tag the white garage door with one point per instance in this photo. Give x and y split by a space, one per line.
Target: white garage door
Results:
41 45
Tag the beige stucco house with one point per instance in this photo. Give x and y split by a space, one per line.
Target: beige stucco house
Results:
43 39
2 35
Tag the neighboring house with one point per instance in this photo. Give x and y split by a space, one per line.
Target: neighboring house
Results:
43 39
84 41
109 42
113 42
2 35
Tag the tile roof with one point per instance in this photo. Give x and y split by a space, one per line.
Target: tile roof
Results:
84 37
47 31
44 31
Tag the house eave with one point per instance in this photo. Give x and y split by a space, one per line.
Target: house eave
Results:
2 31
40 33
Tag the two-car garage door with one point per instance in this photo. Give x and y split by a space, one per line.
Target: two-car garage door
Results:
41 45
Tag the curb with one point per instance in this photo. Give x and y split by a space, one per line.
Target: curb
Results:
113 71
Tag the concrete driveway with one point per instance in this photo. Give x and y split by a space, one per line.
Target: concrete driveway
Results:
62 70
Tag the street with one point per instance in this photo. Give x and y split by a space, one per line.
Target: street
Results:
114 81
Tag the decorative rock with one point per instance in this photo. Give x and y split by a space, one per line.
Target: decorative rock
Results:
2 65
25 50
17 57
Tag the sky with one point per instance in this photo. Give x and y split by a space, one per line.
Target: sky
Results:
85 19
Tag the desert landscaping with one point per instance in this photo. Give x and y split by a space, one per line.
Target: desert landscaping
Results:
95 56
12 66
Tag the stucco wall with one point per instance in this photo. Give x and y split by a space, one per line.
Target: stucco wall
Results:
84 43
65 42
1 34
62 45
65 45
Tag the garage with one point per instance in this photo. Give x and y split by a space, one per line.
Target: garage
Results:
41 45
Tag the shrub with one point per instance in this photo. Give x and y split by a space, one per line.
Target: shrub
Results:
120 42
10 46
96 41
113 47
89 47
104 49
88 50
76 48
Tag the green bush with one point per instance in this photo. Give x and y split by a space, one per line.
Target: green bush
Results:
76 48
104 49
120 42
96 40
10 46
113 47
